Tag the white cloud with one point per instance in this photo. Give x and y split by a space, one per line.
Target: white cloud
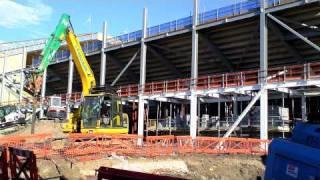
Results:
15 15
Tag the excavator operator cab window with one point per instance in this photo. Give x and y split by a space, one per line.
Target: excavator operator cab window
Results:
105 114
111 113
90 112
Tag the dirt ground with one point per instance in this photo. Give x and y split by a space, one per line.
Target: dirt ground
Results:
191 166
43 126
188 167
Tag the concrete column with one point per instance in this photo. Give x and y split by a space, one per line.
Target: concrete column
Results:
70 81
43 93
143 56
3 75
23 65
103 56
194 73
263 72
304 109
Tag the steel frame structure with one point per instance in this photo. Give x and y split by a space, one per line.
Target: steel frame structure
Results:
262 79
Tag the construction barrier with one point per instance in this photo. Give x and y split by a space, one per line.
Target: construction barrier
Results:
23 164
214 145
3 163
84 147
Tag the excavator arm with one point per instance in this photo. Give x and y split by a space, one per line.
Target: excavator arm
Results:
86 74
64 31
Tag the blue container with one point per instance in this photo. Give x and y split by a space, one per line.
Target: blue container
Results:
297 158
307 134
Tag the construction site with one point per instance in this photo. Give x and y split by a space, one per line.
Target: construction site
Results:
226 93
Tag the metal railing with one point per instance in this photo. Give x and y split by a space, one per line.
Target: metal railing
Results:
16 47
236 9
61 55
240 8
227 80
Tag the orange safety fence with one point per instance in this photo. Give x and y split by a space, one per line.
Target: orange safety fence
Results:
214 145
159 145
84 147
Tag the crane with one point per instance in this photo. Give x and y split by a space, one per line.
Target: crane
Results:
100 110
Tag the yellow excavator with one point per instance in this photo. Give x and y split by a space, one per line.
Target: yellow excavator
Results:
101 109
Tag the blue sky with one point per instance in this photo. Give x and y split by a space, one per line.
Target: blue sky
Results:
31 19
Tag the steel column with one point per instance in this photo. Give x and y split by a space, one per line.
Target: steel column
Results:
23 64
235 106
143 56
3 76
263 72
103 56
219 116
70 81
195 39
43 92
194 73
304 109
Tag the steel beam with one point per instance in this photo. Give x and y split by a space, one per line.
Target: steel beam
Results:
306 33
70 75
194 73
165 62
291 92
143 57
253 38
132 76
291 49
244 113
216 51
125 68
304 109
43 93
23 64
103 56
3 76
263 71
294 32
176 52
70 81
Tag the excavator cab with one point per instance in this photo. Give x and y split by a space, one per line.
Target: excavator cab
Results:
102 113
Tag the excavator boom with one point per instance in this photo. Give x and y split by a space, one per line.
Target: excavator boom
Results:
64 31
54 43
99 112
86 74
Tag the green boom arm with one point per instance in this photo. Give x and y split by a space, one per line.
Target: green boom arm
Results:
53 44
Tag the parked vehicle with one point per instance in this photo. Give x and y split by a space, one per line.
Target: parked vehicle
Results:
55 108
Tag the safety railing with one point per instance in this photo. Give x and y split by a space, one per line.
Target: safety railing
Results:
63 54
73 97
313 70
226 80
236 9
